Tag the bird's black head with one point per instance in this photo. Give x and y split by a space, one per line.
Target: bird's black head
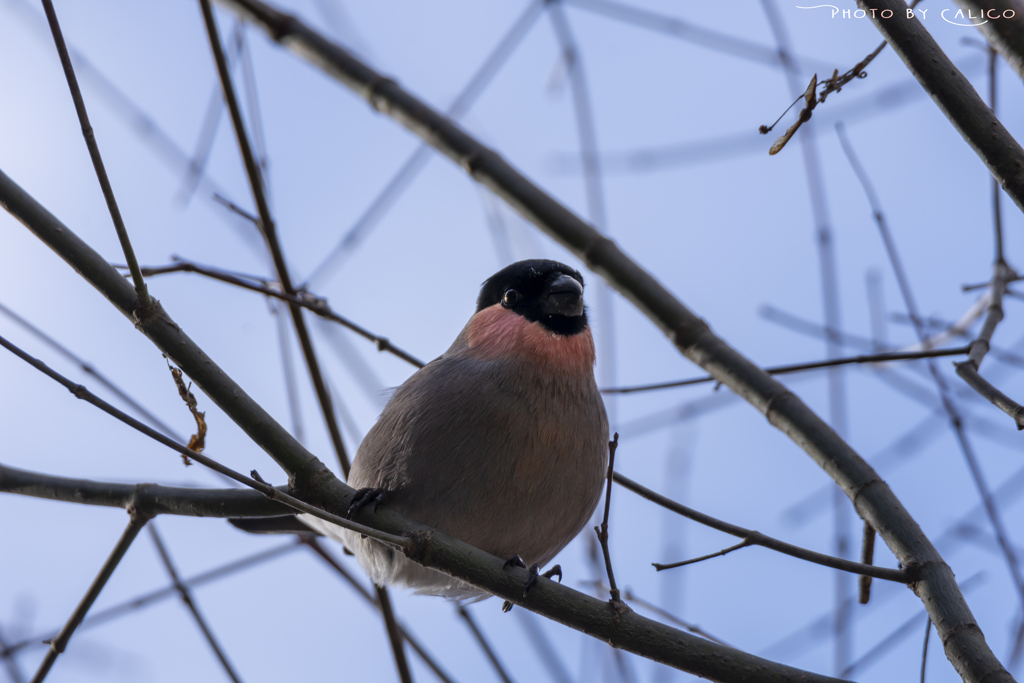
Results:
547 292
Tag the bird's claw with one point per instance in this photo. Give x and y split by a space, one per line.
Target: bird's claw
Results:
517 561
554 571
363 498
514 561
534 573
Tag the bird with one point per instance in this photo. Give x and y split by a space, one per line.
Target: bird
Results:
502 441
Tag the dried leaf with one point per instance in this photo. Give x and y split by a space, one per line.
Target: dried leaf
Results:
198 440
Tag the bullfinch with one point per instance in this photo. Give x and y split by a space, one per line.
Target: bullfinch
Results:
501 442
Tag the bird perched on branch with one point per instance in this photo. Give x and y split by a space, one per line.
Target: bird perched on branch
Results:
501 442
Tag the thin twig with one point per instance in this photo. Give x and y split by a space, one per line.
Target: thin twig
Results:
313 303
602 531
545 648
867 556
924 648
255 482
208 133
751 537
315 545
256 184
395 635
58 644
800 367
683 30
997 214
140 601
13 671
186 597
89 369
725 551
484 644
97 160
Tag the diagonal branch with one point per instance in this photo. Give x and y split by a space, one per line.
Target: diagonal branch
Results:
1004 33
139 518
186 597
308 301
269 230
314 545
875 502
751 537
954 95
94 154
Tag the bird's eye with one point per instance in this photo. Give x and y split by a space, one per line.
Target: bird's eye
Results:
510 299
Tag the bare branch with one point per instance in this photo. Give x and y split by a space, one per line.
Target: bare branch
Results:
1006 35
602 531
90 370
58 644
305 299
256 184
186 597
395 635
953 94
94 153
314 544
800 367
684 30
134 604
484 645
751 537
867 556
725 551
159 500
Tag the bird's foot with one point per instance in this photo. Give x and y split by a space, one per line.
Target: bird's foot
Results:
364 497
517 561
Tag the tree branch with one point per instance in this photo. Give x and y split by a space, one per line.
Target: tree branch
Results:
138 520
800 367
160 500
94 154
305 299
252 171
954 95
1004 34
751 537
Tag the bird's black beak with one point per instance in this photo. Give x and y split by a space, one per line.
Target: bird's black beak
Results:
562 296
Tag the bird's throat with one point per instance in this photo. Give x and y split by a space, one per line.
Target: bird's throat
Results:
496 332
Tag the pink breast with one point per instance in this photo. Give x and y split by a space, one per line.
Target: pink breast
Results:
497 332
